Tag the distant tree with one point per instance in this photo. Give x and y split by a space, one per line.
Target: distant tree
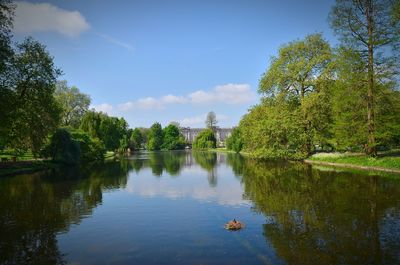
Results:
234 142
368 28
205 139
173 140
74 104
155 138
211 120
136 139
175 123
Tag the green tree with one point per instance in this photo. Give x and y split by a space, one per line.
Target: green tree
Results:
211 120
155 138
7 95
368 28
173 140
136 139
300 76
35 111
74 104
205 139
234 141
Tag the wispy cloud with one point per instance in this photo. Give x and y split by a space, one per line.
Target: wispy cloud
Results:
41 17
232 94
117 42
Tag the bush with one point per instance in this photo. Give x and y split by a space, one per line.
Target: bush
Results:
72 146
234 142
205 139
63 148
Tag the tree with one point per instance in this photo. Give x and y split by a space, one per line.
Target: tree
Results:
35 111
211 120
299 74
368 28
205 139
173 140
136 139
155 138
234 142
74 104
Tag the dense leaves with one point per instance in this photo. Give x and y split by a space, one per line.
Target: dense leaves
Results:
205 139
234 142
74 104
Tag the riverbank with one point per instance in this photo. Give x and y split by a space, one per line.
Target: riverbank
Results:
387 162
23 167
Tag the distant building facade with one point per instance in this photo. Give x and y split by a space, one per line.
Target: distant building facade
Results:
220 133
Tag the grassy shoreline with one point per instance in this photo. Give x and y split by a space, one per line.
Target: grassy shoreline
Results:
24 167
389 162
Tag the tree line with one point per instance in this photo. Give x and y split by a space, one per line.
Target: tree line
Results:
315 96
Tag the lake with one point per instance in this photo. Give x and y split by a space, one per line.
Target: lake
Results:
171 207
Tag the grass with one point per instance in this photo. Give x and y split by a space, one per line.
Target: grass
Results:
21 167
390 160
22 157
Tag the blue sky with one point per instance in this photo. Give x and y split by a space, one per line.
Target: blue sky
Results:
168 61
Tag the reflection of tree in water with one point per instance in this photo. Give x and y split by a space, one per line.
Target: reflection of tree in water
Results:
317 217
172 162
208 161
35 208
236 161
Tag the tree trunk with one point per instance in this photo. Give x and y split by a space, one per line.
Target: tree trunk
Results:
371 148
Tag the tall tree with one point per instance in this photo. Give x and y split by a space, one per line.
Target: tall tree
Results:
74 103
300 73
368 28
211 120
36 112
6 80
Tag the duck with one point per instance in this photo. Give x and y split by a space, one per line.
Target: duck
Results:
234 225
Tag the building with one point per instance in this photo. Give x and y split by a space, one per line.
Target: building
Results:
220 134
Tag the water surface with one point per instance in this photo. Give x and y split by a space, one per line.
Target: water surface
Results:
170 208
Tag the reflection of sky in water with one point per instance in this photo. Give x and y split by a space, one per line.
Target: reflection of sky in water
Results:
191 183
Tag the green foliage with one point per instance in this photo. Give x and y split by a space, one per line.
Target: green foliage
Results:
273 130
136 139
73 146
63 148
155 138
205 139
74 104
173 140
110 130
32 107
234 142
91 149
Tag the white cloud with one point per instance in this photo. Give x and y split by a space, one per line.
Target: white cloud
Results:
118 42
39 17
105 107
228 94
199 120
